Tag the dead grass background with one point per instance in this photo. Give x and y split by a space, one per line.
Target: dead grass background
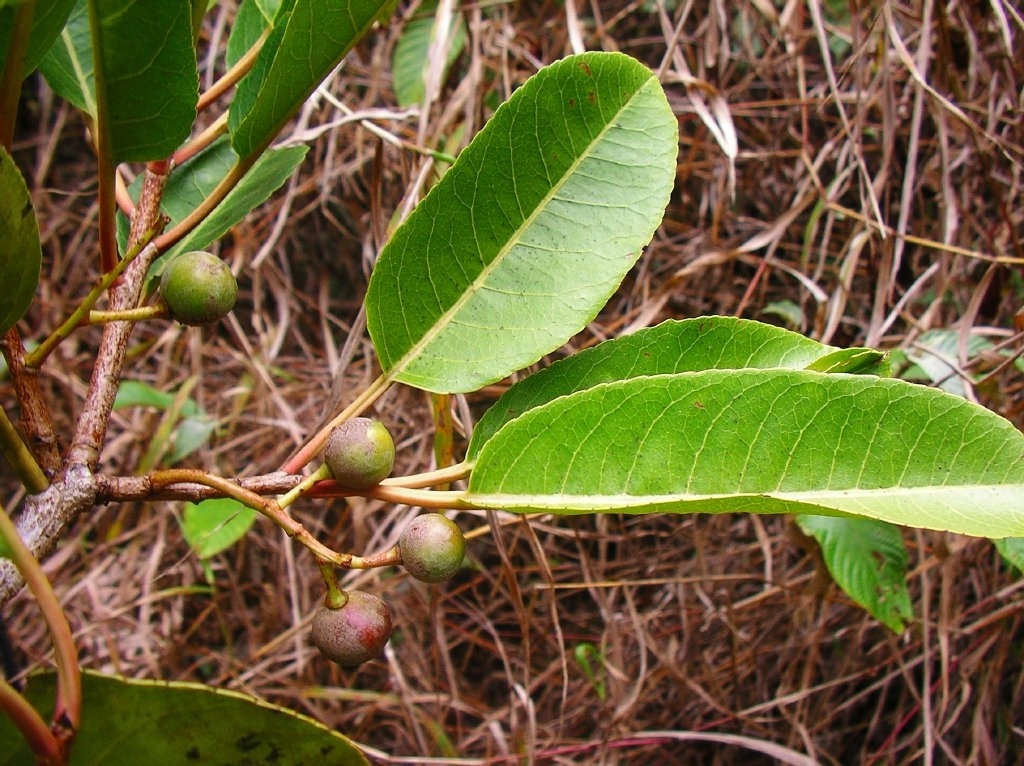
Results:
877 173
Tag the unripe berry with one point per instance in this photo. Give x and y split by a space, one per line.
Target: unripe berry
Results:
432 547
360 453
355 633
198 288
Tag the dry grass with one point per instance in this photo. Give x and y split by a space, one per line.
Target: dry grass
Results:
877 160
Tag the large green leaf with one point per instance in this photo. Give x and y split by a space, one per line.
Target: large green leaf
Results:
687 345
20 252
68 65
309 39
868 560
529 233
147 83
762 441
191 183
48 20
127 722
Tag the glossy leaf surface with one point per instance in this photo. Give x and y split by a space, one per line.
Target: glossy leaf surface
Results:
128 722
147 83
526 236
762 441
688 345
308 40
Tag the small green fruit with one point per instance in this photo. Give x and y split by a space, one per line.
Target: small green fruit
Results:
355 633
432 547
360 453
198 288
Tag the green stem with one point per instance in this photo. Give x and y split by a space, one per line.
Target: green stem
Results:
33 728
14 70
80 316
335 598
67 712
137 314
316 443
320 474
20 457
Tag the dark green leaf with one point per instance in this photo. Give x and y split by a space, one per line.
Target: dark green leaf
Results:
307 42
762 441
20 252
524 239
128 722
144 56
689 345
47 22
245 31
68 65
271 170
191 183
868 560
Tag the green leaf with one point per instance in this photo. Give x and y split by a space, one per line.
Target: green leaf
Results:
1012 551
761 441
271 170
248 25
48 20
411 51
307 42
687 345
20 253
856 361
868 560
68 65
529 233
215 525
128 721
190 184
145 60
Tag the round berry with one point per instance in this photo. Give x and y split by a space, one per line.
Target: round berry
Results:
355 633
198 288
432 547
360 453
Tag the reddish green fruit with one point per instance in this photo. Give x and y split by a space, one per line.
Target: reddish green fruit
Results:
198 288
354 633
360 453
432 547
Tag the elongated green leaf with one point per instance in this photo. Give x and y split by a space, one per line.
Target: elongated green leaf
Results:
688 345
48 20
309 39
127 721
20 252
868 560
524 239
190 184
144 56
248 25
68 65
762 441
